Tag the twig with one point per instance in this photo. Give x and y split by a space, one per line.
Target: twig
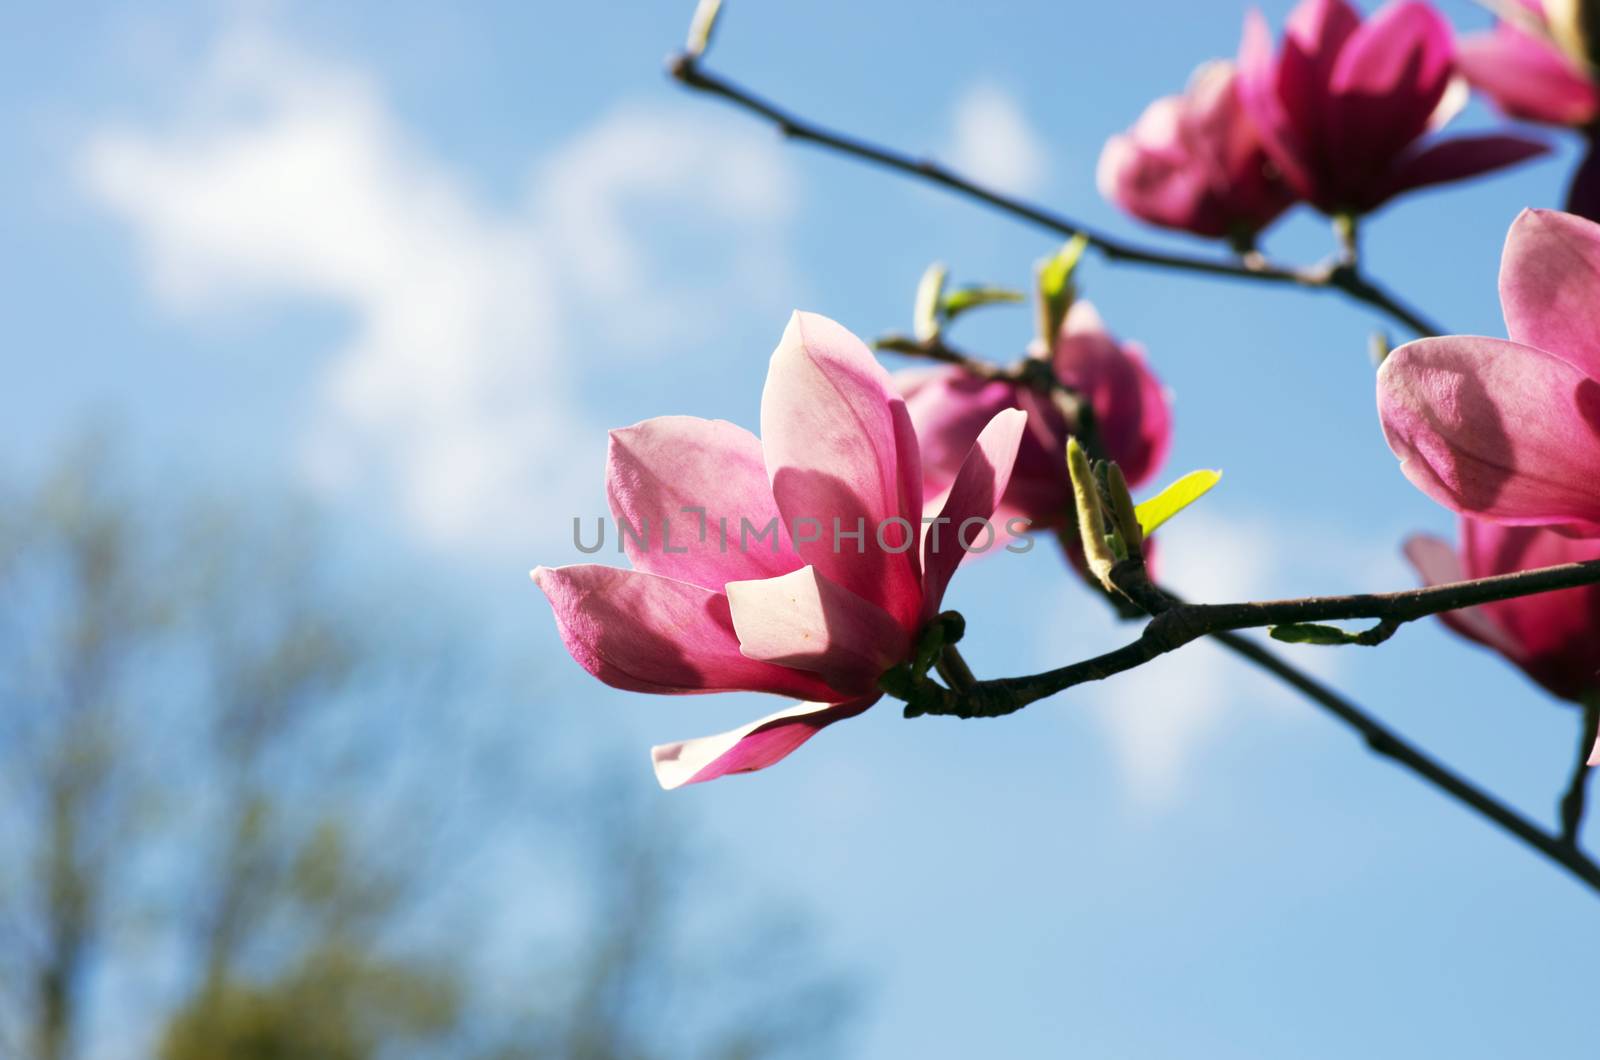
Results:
1382 740
1340 276
1182 623
1386 742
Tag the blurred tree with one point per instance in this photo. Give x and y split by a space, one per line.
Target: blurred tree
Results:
231 828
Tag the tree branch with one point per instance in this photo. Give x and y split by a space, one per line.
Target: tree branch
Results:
1181 623
1386 742
1342 276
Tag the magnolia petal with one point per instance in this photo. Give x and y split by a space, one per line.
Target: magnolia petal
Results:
1322 28
1554 632
841 454
949 411
1150 174
1527 78
1130 404
1436 563
1275 115
975 494
1550 286
1388 79
696 492
808 621
645 633
749 747
1494 429
1456 159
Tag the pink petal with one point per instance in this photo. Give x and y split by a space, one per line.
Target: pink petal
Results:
1527 78
1321 28
948 410
1132 413
1315 37
807 621
1494 429
841 450
660 467
1150 173
1594 756
975 494
749 747
1282 96
1455 159
952 409
1550 286
644 633
1389 78
1436 563
1554 633
1225 145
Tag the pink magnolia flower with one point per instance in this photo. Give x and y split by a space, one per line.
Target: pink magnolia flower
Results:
1520 66
820 606
1343 104
1527 74
949 407
1553 637
1509 431
1195 162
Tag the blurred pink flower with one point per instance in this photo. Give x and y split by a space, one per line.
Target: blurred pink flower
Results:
1509 431
1530 76
796 614
1343 104
1553 637
949 407
1527 74
1195 162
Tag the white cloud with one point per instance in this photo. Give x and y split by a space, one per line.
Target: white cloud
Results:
993 143
289 177
1158 717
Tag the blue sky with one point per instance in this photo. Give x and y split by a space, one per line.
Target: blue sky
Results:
416 258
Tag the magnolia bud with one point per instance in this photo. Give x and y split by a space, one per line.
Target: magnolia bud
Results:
1055 288
1091 515
930 295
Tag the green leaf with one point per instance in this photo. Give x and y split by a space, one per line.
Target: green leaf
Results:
1055 287
1312 633
1175 498
964 298
930 293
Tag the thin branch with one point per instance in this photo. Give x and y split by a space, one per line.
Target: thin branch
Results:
1182 623
1573 802
1386 742
1139 595
988 698
1336 276
936 349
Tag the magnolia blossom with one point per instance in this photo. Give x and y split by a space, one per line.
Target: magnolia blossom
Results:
1553 637
1520 66
1342 105
1535 68
1509 430
949 407
1195 162
835 591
